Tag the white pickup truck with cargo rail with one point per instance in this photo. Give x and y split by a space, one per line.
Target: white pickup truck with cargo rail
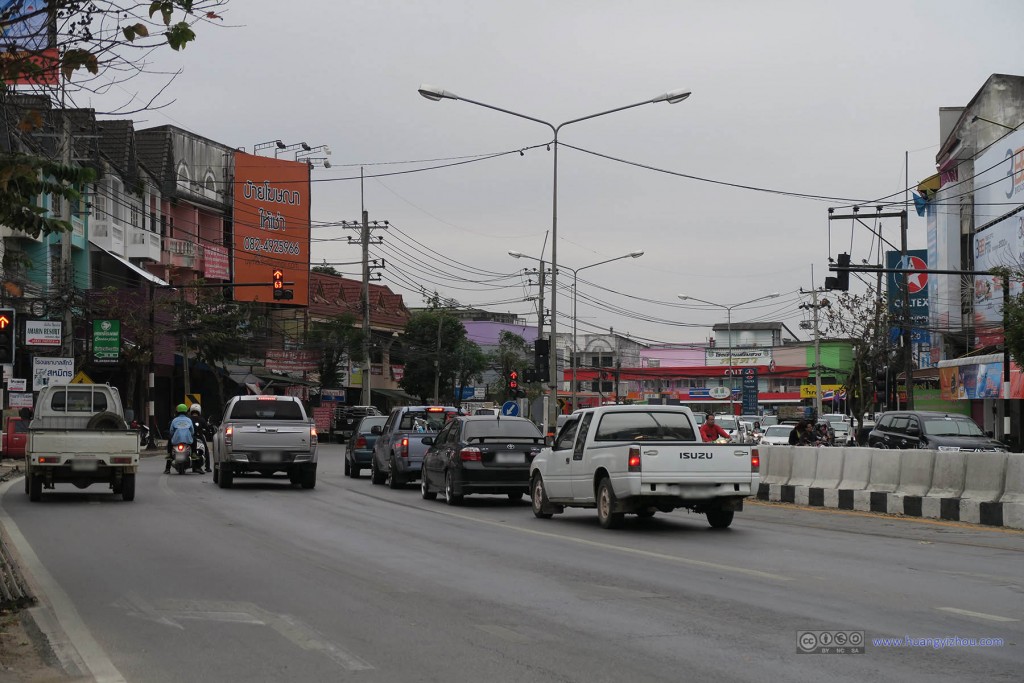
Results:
79 436
640 459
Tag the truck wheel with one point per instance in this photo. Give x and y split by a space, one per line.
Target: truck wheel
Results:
216 474
376 476
128 487
308 479
226 476
425 491
605 503
348 467
720 519
35 490
394 481
106 420
539 498
354 471
26 478
450 496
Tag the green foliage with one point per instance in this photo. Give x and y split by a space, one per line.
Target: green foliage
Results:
433 337
325 269
23 179
214 326
513 353
335 340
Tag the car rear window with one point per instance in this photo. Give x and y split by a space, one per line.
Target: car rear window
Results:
477 429
644 426
421 420
778 430
78 401
368 423
951 426
266 410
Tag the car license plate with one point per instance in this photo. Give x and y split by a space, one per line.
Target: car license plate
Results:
509 458
272 456
84 465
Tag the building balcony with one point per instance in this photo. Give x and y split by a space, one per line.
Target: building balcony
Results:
107 236
182 253
143 244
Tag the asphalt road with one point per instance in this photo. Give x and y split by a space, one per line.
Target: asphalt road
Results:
351 581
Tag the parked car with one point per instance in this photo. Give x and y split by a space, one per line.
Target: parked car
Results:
776 435
927 429
14 438
480 454
359 447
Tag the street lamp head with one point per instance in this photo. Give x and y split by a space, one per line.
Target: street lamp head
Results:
516 254
683 297
636 254
673 96
436 94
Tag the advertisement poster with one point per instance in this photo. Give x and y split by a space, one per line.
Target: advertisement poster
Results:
28 46
47 371
984 380
916 286
42 332
106 341
271 222
216 265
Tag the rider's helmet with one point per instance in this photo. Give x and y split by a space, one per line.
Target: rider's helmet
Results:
182 408
196 408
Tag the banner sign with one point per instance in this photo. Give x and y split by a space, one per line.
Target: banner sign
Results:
291 361
916 285
42 332
717 356
14 384
215 263
20 399
106 341
827 390
47 371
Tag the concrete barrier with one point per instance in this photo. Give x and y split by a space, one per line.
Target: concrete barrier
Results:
829 471
776 466
916 467
1012 500
856 473
805 465
943 498
983 485
884 478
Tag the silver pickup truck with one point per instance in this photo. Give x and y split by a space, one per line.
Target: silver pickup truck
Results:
79 436
265 435
398 453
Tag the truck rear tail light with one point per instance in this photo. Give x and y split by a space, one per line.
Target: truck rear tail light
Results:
229 433
471 454
403 448
361 442
313 437
755 461
634 459
119 460
49 460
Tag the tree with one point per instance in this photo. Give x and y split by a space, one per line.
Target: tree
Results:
97 45
325 269
335 340
431 343
865 321
471 361
512 354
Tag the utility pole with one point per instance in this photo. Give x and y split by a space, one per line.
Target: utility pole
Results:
814 306
66 269
365 227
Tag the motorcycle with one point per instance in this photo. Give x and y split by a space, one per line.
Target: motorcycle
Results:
184 456
143 431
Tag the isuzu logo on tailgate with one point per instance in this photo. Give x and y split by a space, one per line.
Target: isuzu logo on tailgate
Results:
695 455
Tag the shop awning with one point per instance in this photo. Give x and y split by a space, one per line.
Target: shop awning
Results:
396 395
141 272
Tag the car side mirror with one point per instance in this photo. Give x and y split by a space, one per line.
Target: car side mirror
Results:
990 434
376 429
428 440
913 431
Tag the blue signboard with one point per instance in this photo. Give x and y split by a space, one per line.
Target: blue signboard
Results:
749 391
916 285
510 409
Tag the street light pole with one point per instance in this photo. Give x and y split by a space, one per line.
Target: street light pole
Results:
575 281
728 311
436 94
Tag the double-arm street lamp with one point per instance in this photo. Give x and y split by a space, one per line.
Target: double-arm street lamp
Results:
728 310
672 97
575 279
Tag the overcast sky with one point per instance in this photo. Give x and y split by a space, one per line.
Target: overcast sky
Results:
804 97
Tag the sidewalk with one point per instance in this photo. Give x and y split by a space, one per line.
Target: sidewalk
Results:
13 591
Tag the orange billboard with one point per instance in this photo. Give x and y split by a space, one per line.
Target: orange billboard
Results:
271 227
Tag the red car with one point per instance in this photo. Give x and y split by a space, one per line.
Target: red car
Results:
15 434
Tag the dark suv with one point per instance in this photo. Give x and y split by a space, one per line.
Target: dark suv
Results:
347 417
924 429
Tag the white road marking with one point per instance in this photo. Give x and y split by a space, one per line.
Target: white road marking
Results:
504 633
79 638
976 615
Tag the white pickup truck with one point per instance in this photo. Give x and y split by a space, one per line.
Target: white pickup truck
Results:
79 436
640 459
265 434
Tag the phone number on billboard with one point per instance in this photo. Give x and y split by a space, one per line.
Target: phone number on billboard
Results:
271 246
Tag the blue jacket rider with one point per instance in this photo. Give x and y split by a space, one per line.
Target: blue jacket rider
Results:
181 431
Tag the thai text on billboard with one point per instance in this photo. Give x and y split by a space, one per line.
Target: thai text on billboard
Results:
28 38
271 223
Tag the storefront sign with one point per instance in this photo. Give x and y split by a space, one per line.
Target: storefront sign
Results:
291 361
47 371
106 341
42 332
740 356
20 399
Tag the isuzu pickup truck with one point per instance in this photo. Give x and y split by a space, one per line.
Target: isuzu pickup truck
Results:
79 436
265 435
640 460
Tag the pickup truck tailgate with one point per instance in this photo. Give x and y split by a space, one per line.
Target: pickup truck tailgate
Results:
101 443
270 436
694 463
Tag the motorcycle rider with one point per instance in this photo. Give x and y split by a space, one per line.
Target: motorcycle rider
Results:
709 431
181 431
202 429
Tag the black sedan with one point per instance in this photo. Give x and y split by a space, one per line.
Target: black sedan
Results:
480 454
359 447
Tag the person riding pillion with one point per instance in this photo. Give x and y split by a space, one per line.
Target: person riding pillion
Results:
181 431
202 428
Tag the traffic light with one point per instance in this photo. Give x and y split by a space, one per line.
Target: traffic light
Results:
7 328
279 291
882 386
540 358
513 381
841 281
